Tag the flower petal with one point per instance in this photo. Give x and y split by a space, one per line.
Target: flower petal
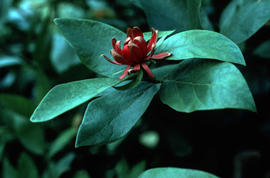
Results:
130 32
137 67
137 32
139 41
160 55
116 45
125 72
128 55
137 54
153 40
147 70
108 59
117 57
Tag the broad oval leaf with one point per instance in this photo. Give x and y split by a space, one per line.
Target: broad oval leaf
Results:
175 172
90 39
172 14
205 85
111 116
66 96
241 19
201 44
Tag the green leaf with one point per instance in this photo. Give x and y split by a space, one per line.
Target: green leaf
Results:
61 141
81 174
111 116
204 85
17 103
241 19
6 61
8 171
27 167
62 55
133 82
124 171
263 50
30 135
63 164
55 170
4 8
175 172
201 44
172 14
90 39
66 96
161 34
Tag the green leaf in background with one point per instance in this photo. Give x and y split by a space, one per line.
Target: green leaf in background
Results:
6 61
30 135
43 85
263 50
55 170
241 19
201 44
81 174
123 170
63 164
90 39
17 103
180 15
27 167
111 116
61 141
4 8
62 55
8 171
175 172
66 96
6 136
204 85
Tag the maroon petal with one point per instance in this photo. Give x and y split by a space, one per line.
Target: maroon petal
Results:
125 72
108 59
161 55
147 70
116 45
127 40
137 67
139 41
130 32
153 40
137 54
117 57
137 32
128 55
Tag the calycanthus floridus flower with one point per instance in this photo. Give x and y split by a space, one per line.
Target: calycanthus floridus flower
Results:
136 52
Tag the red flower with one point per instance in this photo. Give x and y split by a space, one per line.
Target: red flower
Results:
135 51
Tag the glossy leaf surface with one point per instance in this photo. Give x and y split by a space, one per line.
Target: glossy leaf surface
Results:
175 172
204 85
66 96
172 14
241 19
90 39
201 44
111 116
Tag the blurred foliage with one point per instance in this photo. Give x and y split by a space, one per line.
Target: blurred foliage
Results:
34 57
